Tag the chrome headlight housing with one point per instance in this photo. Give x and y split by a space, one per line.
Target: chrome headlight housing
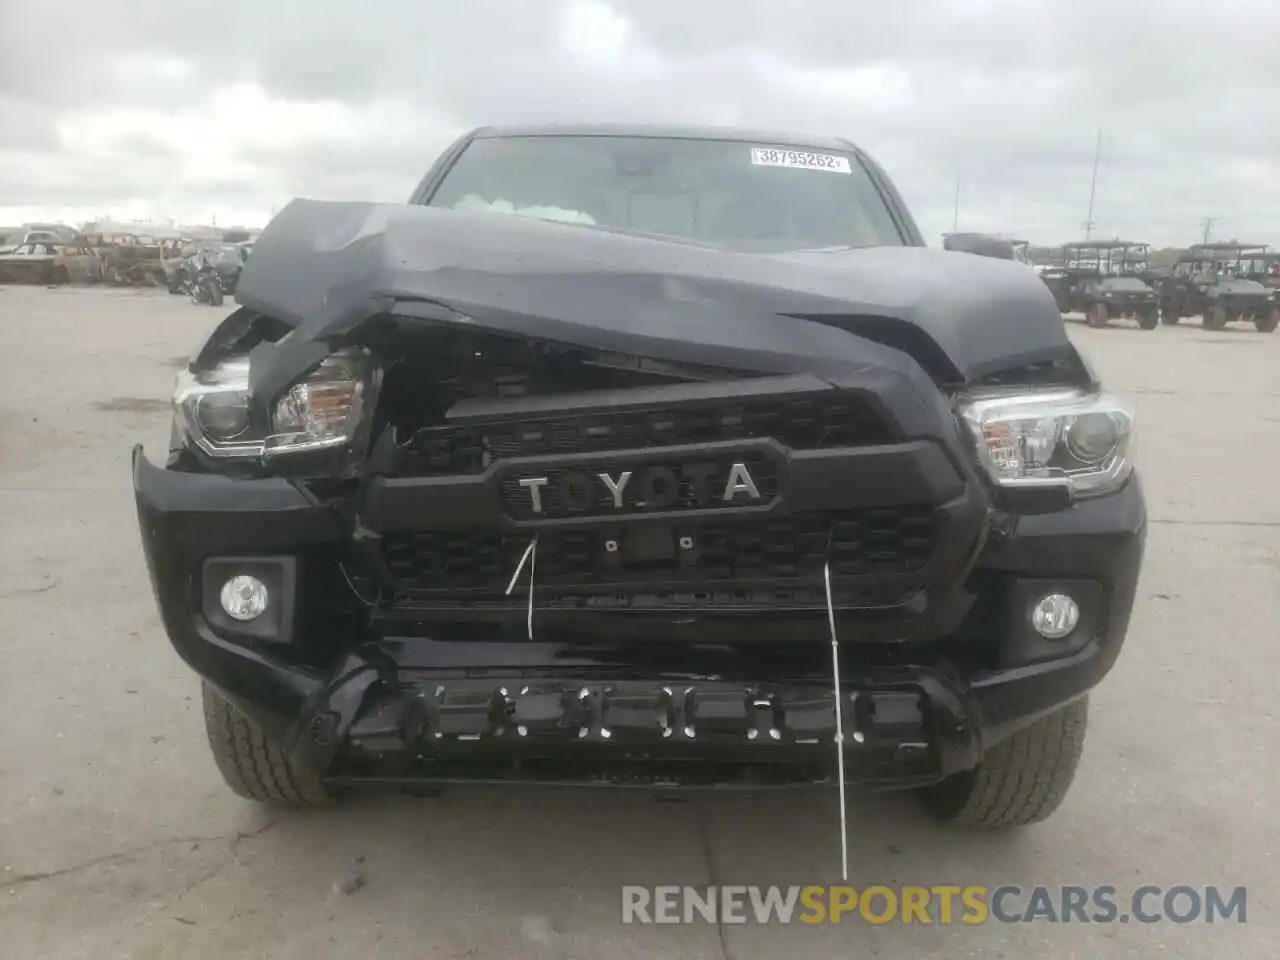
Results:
1073 439
325 410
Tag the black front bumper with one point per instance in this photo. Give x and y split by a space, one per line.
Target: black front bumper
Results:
361 695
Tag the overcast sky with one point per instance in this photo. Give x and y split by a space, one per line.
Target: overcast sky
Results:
192 110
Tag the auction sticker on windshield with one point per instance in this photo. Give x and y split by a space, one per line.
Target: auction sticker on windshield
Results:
772 157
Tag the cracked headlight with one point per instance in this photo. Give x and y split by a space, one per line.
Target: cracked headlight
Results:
1081 441
325 410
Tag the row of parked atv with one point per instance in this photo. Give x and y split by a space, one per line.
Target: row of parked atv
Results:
1221 283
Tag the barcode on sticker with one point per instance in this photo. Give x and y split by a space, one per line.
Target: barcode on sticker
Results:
771 157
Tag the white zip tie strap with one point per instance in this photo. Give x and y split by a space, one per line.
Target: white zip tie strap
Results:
835 683
530 555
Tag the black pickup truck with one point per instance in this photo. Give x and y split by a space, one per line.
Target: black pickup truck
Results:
647 457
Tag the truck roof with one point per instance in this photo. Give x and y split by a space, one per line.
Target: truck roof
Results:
678 131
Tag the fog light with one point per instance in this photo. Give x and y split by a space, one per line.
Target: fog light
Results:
244 598
1055 615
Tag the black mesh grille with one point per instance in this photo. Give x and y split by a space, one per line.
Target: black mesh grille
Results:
801 423
711 555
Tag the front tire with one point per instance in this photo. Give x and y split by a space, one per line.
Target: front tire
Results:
1148 319
1214 318
1019 781
253 766
1267 322
1097 315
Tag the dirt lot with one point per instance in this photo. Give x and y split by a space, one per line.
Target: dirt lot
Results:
117 839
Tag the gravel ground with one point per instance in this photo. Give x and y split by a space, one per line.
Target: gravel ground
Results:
117 838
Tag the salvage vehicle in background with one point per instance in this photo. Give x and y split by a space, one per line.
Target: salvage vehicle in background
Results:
627 455
987 245
204 285
223 261
1213 280
1022 252
978 244
51 263
134 261
1103 279
76 263
13 237
35 262
1262 267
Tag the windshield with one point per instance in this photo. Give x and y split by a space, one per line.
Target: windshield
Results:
720 192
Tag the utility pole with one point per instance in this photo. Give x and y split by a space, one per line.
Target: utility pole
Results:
1207 223
955 210
1093 185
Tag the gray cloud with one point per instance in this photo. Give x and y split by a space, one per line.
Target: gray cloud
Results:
26 127
1007 96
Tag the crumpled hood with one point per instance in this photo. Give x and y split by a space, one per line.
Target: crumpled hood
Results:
323 267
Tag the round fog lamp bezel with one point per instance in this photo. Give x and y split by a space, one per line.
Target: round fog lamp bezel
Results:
227 594
1055 616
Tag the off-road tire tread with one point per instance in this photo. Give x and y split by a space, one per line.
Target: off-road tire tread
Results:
1214 318
1024 779
252 766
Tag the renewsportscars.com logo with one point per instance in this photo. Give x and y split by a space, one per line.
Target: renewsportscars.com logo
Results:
940 904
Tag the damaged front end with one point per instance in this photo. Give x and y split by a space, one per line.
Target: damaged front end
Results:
413 543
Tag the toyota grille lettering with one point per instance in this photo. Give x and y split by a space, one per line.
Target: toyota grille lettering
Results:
655 486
